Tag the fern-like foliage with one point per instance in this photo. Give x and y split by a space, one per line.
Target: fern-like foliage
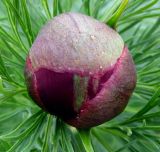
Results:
24 127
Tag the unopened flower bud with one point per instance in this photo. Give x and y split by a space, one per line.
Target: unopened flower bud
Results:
80 70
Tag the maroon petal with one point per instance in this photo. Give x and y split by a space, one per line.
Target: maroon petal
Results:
112 98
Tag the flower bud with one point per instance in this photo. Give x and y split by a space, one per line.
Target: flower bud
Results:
80 70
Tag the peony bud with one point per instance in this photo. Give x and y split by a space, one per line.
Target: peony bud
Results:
80 70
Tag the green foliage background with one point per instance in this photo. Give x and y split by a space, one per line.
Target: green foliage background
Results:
25 128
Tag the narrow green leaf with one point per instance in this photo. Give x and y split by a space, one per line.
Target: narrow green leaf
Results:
133 149
86 6
109 12
148 116
85 136
8 115
127 27
25 134
28 20
19 18
67 146
69 5
3 69
17 7
121 149
11 63
102 141
153 102
76 141
4 34
98 5
21 127
152 29
34 137
46 8
139 115
60 8
147 128
13 51
141 9
139 18
133 5
118 133
4 145
47 134
56 136
14 27
55 7
1 85
114 19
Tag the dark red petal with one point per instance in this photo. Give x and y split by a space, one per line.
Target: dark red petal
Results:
56 91
31 83
112 98
61 94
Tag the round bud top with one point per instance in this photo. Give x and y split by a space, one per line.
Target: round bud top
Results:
79 69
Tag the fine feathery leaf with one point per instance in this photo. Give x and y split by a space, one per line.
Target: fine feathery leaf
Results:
114 19
108 13
85 136
48 128
55 7
46 8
